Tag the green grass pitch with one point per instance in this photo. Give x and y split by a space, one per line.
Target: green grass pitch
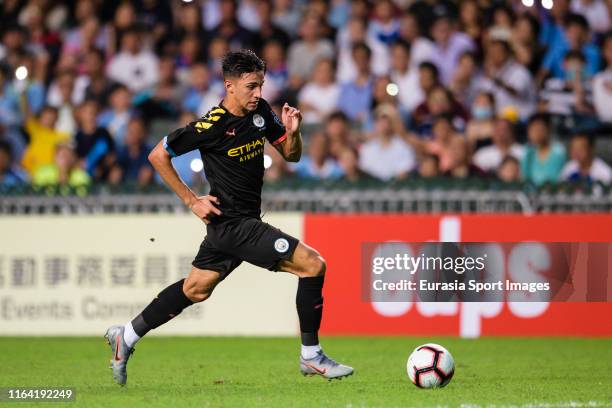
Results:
263 372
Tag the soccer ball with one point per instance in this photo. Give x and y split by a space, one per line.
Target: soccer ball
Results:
430 366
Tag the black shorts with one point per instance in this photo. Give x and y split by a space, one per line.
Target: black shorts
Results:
234 240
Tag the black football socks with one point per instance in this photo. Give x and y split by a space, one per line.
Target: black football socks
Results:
309 302
168 304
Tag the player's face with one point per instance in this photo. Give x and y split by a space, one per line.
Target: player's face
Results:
246 90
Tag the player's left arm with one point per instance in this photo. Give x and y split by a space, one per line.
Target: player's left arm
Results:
291 147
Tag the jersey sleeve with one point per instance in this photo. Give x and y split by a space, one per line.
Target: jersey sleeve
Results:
199 134
276 132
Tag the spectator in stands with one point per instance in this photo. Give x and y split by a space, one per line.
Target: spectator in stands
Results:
461 165
13 108
63 171
124 20
116 117
509 171
268 30
421 48
319 96
93 83
489 158
95 147
348 160
602 84
43 140
481 128
543 158
584 166
380 96
553 22
510 82
81 40
337 129
318 164
62 96
387 156
355 96
596 12
132 164
502 17
466 79
287 16
306 53
162 99
524 42
190 51
439 102
572 94
202 94
276 77
190 18
134 66
577 37
449 46
441 145
384 26
353 33
406 76
471 19
429 78
217 48
230 29
10 175
429 167
13 43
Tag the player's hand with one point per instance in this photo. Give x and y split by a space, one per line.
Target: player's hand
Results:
204 208
291 118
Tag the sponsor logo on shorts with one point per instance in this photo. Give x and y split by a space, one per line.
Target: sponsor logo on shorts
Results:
281 245
258 120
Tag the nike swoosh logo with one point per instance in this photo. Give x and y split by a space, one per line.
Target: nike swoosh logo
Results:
318 370
117 349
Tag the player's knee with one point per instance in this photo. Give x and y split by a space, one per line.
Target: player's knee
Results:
315 266
198 289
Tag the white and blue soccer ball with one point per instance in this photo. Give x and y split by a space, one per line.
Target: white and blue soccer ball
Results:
430 366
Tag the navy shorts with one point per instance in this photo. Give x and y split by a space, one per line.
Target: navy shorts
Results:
230 242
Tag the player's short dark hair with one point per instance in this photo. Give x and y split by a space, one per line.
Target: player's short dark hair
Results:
589 137
237 63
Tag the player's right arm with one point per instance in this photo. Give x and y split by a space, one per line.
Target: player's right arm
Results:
176 143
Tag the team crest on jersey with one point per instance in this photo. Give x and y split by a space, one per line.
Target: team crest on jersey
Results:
258 120
281 245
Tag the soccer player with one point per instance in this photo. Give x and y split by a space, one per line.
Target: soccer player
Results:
230 138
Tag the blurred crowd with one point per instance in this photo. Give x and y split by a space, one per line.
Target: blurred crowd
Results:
388 89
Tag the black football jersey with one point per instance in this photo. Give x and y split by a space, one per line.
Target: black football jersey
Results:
232 151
